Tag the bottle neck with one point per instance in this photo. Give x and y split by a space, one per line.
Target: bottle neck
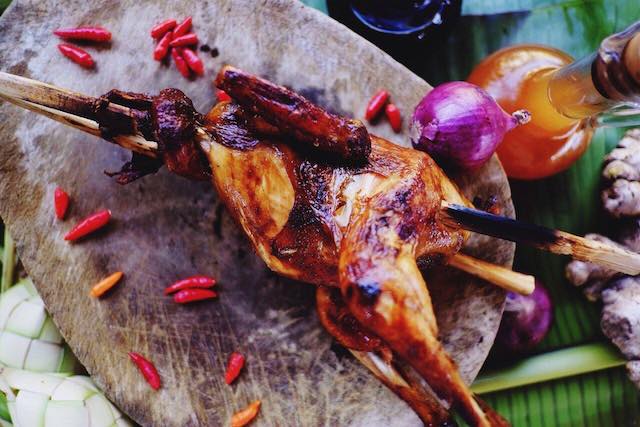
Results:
605 84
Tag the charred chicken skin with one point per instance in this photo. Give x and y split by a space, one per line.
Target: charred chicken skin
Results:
324 202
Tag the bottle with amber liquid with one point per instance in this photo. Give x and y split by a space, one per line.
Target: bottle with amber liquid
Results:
568 100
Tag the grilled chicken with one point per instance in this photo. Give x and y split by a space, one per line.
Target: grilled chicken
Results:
325 203
358 226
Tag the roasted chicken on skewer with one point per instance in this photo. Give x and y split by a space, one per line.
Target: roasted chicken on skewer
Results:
321 200
329 205
360 228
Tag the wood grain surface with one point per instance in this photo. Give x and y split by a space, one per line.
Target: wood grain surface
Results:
166 227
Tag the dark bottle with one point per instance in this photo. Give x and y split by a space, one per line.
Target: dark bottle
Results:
407 30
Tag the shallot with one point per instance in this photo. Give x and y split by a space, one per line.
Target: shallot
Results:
525 322
460 124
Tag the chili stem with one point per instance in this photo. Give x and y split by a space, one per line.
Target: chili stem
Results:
550 366
8 262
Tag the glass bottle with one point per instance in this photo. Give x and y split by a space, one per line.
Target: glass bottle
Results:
402 28
567 99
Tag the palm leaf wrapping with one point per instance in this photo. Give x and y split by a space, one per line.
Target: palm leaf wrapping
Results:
28 337
38 387
36 399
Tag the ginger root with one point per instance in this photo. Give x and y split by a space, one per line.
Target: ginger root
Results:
621 172
620 294
633 369
621 315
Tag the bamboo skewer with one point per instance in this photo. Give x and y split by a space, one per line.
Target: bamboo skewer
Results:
558 242
77 110
503 277
69 108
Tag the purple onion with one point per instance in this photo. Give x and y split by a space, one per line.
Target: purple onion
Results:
525 322
460 124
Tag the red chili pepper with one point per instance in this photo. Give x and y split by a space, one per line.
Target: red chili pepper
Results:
234 366
223 96
94 34
77 55
182 28
181 64
89 225
193 61
375 105
162 48
147 369
60 202
394 117
162 28
191 295
201 282
186 40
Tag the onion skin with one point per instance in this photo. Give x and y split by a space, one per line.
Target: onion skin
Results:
525 322
460 124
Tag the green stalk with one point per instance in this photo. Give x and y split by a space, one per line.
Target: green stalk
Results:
4 409
8 262
550 366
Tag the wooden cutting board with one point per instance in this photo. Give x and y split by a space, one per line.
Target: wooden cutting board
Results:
166 227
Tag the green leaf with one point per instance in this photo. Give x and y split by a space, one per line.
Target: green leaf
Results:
8 263
600 399
483 7
321 5
4 409
3 5
548 366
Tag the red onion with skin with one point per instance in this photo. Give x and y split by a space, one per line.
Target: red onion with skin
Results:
525 322
460 124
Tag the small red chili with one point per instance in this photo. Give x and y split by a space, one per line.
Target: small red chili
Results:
186 40
147 369
234 366
77 55
394 117
60 202
194 62
94 34
181 64
162 28
190 295
376 104
182 28
201 282
89 225
162 48
223 96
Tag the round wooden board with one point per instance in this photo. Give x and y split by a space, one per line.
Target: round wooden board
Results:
166 227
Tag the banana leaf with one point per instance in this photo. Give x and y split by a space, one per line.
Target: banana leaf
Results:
568 201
